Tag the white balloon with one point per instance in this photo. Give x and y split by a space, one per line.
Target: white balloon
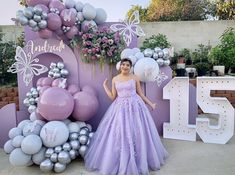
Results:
73 127
79 6
54 133
31 144
15 132
80 16
16 142
39 157
32 128
136 50
118 65
147 69
101 16
139 55
8 148
89 12
69 4
133 59
33 116
23 123
126 53
19 158
86 25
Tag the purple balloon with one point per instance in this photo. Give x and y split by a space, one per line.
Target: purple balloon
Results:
43 7
46 81
72 32
57 5
45 33
73 88
68 17
39 81
85 106
89 90
35 2
55 104
39 116
42 89
58 83
53 21
59 32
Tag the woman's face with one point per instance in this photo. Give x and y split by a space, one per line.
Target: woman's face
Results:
125 67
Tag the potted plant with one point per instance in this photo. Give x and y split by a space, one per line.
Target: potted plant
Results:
224 53
187 56
202 68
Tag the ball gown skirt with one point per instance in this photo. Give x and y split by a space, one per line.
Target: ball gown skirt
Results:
126 141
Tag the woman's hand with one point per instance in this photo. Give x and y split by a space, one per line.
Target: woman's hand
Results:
153 106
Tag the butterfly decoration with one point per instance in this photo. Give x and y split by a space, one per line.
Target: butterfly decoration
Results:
26 66
160 78
129 28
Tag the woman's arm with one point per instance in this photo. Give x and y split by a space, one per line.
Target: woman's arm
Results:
113 93
141 94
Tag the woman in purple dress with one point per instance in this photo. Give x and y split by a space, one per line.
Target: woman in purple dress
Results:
126 141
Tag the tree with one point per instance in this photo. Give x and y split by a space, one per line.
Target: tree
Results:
142 12
226 9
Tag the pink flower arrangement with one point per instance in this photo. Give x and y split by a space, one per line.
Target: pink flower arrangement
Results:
102 45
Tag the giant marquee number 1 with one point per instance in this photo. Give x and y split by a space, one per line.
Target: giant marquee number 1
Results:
177 91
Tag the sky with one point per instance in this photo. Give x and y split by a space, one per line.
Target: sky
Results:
115 9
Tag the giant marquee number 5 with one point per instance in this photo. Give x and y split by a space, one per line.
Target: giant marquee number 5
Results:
177 91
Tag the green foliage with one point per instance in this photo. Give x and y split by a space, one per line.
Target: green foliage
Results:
7 54
158 40
226 10
201 54
174 10
142 12
186 53
224 53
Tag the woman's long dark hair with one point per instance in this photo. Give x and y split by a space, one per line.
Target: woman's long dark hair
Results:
126 60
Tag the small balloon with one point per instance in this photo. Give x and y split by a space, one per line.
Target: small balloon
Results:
59 167
46 166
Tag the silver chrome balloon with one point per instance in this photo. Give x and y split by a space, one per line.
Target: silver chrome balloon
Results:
167 62
155 55
64 72
157 49
75 144
46 165
160 61
60 65
49 152
72 154
148 52
29 94
52 65
91 134
54 157
26 102
59 167
83 131
66 147
31 101
63 157
73 136
160 54
37 10
82 150
83 139
58 149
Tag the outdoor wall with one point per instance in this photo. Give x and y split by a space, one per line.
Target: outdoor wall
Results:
187 34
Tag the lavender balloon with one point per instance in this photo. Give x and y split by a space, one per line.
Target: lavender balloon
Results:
68 17
55 98
85 106
53 21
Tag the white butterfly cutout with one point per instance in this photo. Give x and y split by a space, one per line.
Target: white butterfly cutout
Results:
160 78
25 66
129 28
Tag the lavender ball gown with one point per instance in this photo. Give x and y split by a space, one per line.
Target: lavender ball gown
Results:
126 141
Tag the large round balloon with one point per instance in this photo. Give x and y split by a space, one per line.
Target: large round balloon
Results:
19 158
56 4
72 32
54 133
147 69
53 21
35 2
86 105
55 104
43 7
86 25
101 16
89 12
68 17
45 33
